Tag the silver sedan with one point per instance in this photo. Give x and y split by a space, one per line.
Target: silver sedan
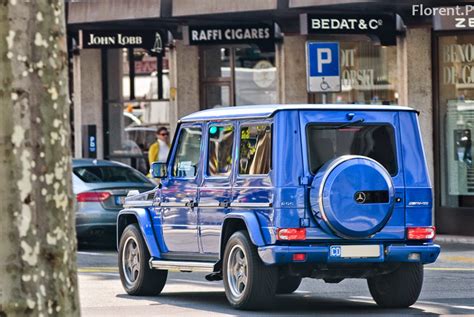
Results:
100 188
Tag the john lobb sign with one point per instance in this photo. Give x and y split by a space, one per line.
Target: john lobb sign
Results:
153 41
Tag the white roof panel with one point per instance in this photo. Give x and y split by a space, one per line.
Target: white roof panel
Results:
266 111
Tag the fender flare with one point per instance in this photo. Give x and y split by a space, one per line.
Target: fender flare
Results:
252 224
144 222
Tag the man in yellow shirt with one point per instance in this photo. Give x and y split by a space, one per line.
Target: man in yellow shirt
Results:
159 150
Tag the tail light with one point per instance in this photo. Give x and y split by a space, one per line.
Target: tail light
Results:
291 234
92 196
299 257
421 233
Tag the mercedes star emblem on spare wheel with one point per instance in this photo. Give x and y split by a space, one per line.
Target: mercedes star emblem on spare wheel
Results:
359 197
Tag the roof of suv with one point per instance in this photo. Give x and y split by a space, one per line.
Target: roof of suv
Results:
266 111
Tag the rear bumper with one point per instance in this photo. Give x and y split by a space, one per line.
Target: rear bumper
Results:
276 254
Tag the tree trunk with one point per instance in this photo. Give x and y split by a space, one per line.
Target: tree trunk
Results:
37 236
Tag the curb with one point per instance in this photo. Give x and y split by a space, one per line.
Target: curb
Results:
454 239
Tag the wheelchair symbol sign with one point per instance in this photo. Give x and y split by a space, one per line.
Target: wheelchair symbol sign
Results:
323 68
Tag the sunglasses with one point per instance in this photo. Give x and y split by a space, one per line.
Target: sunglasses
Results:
164 134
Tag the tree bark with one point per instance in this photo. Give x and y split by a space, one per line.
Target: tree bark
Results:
37 236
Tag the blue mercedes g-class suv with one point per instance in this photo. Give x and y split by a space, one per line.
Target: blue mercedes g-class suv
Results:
263 196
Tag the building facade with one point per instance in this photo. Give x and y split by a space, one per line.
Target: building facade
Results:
138 67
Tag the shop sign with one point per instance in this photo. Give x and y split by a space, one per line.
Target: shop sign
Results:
150 40
458 64
323 68
212 35
89 139
458 20
145 67
381 26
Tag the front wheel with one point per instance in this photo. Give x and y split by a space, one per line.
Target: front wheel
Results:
135 274
248 283
399 288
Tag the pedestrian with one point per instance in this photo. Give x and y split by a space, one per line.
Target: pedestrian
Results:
159 150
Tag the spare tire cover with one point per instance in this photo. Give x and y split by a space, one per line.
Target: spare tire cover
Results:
352 196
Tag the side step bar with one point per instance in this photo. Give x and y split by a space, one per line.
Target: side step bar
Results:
183 266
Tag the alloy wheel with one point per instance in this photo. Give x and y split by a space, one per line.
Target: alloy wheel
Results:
237 268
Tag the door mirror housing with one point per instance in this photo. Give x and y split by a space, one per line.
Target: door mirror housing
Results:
158 170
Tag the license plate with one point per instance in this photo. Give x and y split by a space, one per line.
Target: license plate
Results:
354 251
120 200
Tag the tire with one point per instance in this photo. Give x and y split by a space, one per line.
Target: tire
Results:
288 284
135 274
248 283
398 289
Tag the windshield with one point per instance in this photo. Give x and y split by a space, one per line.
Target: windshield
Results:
326 142
109 174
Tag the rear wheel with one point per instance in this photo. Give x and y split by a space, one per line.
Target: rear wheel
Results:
288 284
135 274
400 288
248 283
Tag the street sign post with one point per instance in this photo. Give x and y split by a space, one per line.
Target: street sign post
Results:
323 67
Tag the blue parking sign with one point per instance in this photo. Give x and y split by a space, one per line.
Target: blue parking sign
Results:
323 67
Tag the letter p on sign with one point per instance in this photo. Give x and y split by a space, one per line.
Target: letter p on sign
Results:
323 68
324 57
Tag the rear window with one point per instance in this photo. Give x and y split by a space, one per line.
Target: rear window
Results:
255 154
326 142
109 174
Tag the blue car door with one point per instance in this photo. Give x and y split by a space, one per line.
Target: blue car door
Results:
179 195
215 190
252 190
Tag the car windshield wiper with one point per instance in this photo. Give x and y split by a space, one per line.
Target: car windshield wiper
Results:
348 124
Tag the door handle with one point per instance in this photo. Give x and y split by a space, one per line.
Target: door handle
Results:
191 204
224 204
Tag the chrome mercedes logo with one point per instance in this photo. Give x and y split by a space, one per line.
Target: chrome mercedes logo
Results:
360 197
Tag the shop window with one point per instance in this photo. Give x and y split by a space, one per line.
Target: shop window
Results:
368 75
255 77
255 154
237 75
221 141
142 105
142 78
456 119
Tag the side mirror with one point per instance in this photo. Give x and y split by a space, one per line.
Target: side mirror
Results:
158 170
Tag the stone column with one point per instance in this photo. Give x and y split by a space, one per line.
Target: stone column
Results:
87 98
291 64
415 83
184 81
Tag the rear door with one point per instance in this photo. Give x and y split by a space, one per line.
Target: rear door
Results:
253 189
383 145
215 191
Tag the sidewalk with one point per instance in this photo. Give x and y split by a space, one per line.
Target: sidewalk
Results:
446 238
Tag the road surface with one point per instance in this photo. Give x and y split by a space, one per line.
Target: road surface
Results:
448 289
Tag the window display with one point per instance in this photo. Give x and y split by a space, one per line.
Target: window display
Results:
456 119
368 74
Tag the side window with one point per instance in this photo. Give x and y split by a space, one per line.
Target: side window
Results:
187 154
221 141
255 155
